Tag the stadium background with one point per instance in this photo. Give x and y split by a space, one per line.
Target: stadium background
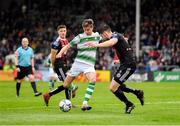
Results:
159 26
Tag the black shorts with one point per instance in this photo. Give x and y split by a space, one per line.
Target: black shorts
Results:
24 71
61 70
123 72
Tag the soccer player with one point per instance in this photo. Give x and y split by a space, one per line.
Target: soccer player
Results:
59 64
25 66
125 70
83 63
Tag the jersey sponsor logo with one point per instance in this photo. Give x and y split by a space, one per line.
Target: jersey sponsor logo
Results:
159 77
118 75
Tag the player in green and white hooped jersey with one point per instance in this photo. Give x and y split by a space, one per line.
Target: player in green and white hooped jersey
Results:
84 61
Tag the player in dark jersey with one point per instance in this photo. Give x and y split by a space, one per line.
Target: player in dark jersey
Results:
60 64
126 68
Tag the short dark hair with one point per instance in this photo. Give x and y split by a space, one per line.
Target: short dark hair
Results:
87 22
104 27
60 26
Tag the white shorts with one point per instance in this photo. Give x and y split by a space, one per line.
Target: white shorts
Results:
78 68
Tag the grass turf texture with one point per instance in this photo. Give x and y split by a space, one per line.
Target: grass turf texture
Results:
162 106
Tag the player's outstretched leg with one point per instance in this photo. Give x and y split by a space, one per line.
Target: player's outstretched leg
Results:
47 96
138 93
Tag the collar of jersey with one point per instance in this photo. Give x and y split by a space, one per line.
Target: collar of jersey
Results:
26 48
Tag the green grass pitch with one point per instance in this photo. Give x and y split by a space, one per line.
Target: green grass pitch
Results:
162 106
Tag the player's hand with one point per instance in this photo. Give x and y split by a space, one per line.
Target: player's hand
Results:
91 44
18 69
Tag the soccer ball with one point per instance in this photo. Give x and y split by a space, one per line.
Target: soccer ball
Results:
65 105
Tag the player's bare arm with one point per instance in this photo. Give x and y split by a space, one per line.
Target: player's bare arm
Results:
108 43
63 51
53 56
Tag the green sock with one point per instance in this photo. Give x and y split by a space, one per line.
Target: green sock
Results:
89 92
71 86
51 84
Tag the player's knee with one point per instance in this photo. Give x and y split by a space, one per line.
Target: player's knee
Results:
92 80
31 78
111 88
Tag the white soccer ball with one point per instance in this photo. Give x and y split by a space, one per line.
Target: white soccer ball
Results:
65 105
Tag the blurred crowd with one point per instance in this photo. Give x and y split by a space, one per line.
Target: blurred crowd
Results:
160 35
159 39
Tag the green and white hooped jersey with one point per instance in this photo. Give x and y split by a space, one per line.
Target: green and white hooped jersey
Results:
85 54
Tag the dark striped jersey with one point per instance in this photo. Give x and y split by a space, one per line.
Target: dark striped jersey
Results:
123 49
58 44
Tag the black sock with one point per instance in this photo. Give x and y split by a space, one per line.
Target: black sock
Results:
57 90
127 89
120 95
33 84
18 85
67 94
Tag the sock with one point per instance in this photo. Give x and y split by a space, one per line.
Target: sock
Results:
127 89
57 90
120 95
18 85
33 84
71 86
51 84
67 94
89 92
